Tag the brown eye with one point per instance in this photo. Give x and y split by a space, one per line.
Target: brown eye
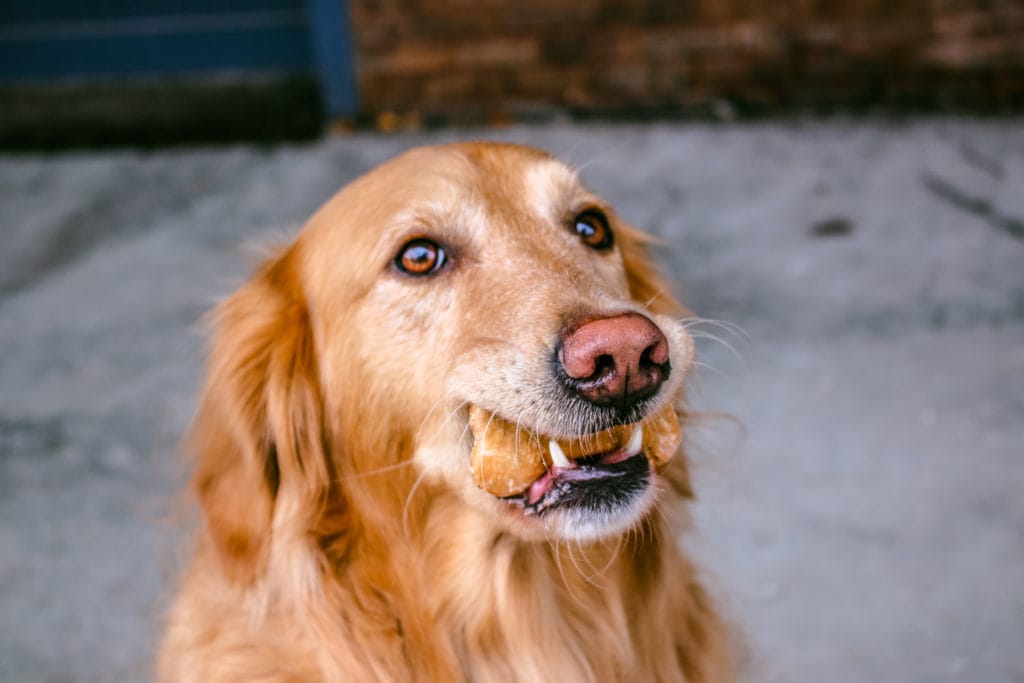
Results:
592 228
420 257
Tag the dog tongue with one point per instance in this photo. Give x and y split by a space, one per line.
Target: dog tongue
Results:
539 488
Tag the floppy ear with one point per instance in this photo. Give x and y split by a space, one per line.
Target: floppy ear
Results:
259 431
646 285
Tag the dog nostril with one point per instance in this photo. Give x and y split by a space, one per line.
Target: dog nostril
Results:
614 360
654 355
604 365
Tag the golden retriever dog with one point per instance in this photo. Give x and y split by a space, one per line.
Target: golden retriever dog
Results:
439 441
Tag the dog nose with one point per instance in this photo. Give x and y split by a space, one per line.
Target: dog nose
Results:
618 360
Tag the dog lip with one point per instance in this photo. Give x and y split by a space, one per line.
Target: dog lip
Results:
586 468
604 418
556 487
508 460
614 440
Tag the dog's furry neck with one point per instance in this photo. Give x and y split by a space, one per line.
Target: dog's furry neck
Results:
451 597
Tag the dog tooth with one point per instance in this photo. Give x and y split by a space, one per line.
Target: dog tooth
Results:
636 440
558 458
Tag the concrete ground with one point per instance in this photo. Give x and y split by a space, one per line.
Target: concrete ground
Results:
860 466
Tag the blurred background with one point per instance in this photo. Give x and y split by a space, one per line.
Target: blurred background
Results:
839 190
165 71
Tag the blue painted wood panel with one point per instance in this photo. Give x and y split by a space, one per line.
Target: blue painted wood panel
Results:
59 39
328 23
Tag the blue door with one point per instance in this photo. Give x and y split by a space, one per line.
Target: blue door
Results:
110 39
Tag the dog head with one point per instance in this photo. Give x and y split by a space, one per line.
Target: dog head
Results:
468 318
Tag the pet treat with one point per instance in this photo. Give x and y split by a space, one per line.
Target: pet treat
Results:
506 459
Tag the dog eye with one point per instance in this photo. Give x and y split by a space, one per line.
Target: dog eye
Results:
420 256
592 228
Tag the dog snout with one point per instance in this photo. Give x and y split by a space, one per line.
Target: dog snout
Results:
618 360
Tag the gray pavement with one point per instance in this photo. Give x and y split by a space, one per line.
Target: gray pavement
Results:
860 461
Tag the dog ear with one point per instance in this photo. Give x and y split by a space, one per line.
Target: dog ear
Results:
646 284
259 432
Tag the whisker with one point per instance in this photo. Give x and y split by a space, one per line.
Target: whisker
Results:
635 541
592 577
462 434
578 167
483 446
702 334
661 511
408 502
405 463
709 368
450 415
426 417
370 473
613 555
730 327
690 323
654 297
575 563
557 549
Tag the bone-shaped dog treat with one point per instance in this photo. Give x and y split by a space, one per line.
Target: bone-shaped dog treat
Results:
506 459
662 435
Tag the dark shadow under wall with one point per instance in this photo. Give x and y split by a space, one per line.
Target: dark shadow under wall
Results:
159 113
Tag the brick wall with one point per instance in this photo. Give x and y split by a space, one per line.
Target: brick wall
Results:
473 58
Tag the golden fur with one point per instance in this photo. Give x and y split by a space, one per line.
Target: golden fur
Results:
344 539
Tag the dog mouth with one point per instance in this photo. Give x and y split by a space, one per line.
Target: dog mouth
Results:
595 471
597 480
